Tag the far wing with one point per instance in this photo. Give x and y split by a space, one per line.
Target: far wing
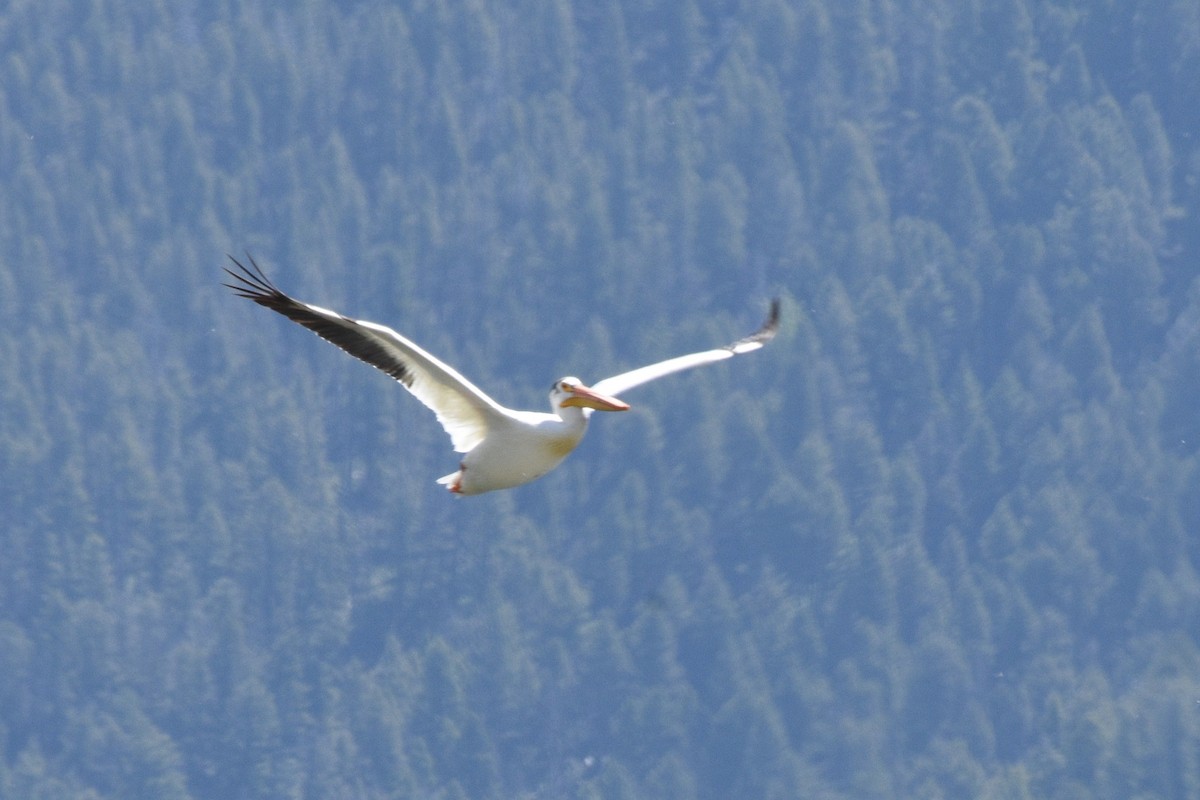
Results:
628 380
463 410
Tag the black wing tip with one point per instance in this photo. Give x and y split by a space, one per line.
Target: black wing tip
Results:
772 323
761 336
769 328
252 283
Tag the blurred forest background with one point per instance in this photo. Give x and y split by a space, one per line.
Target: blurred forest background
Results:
939 540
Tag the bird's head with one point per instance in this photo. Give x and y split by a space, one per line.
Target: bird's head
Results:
571 392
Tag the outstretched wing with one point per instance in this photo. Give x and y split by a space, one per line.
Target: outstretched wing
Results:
628 380
463 410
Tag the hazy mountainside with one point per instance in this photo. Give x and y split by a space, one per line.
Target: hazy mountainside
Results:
940 539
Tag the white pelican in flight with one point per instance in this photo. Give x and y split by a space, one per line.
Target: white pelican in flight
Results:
504 448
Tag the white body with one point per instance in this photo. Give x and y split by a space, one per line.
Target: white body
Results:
520 447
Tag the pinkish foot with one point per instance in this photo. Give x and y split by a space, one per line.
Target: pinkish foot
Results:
456 487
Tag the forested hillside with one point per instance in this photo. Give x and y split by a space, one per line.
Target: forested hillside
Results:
940 539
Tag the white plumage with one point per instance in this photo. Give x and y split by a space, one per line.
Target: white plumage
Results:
503 448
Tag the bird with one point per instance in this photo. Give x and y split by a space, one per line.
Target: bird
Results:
502 448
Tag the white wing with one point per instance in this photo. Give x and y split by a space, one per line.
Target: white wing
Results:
464 411
628 380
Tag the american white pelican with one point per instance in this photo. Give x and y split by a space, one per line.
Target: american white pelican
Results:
504 448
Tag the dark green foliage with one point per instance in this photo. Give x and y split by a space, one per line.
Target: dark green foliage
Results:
938 540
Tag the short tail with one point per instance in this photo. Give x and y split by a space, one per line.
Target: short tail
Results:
453 482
